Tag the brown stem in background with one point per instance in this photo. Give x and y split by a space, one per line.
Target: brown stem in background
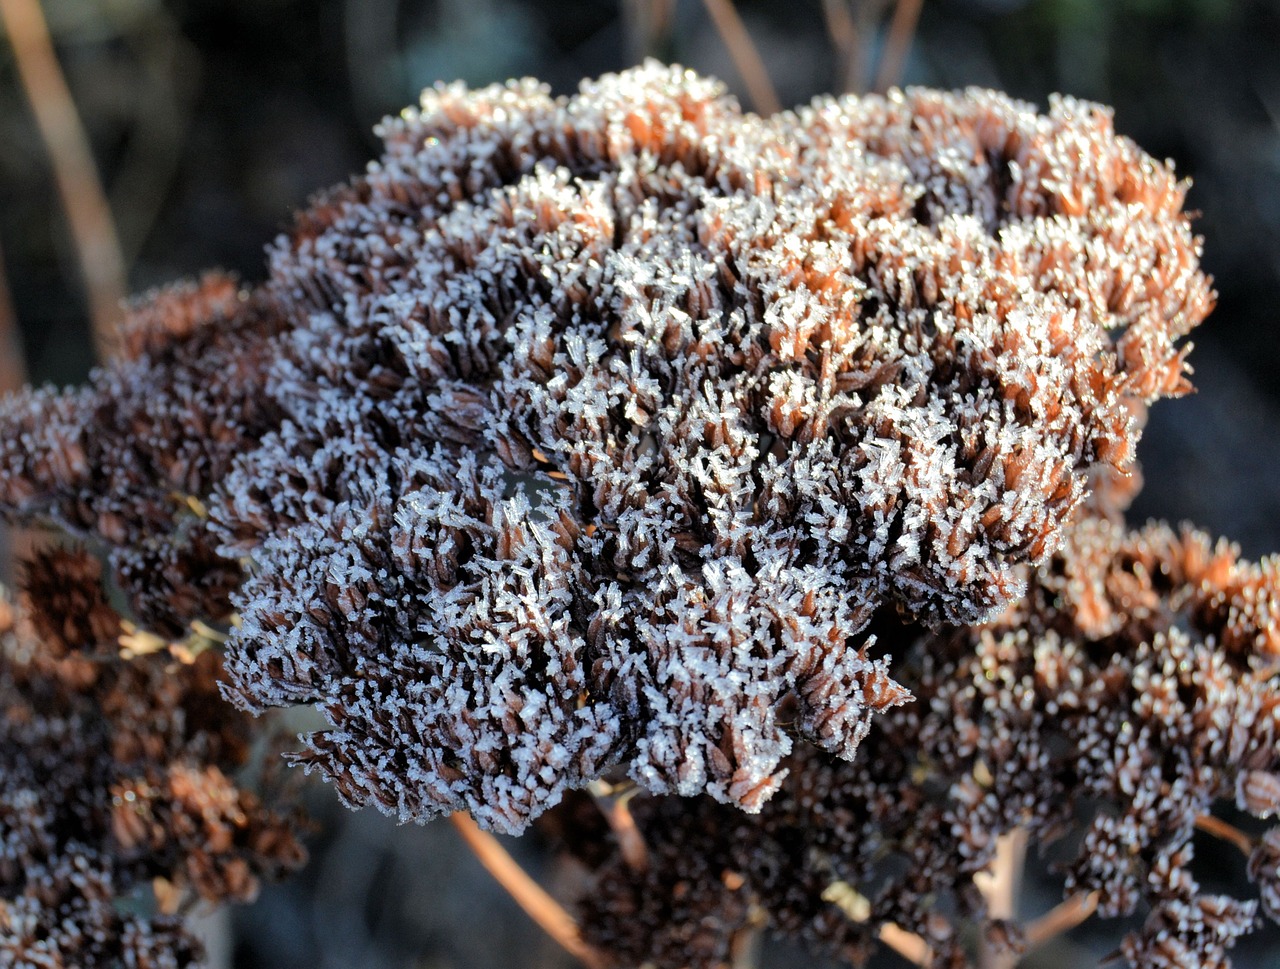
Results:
648 27
902 29
79 187
1060 918
1227 832
13 375
1001 889
744 950
746 58
528 894
843 32
13 364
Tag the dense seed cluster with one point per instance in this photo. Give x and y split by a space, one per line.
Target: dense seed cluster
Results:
1134 690
590 432
114 778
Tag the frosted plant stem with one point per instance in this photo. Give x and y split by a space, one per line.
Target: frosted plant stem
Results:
1001 890
79 187
528 894
746 58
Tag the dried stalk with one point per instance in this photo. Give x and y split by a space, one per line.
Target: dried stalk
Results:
843 32
648 28
615 806
744 950
1000 888
902 30
13 364
1060 918
13 374
746 58
528 894
79 188
907 944
1227 832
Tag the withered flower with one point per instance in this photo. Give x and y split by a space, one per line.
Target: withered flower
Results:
114 777
589 434
1109 715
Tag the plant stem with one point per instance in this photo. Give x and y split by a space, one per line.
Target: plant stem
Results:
13 374
617 812
528 894
843 32
1227 832
907 944
902 29
83 200
746 58
1060 918
1001 890
13 367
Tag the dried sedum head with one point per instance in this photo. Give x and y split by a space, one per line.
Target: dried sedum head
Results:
590 434
1132 693
119 803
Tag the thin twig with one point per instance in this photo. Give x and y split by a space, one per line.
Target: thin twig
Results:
1227 832
615 806
79 187
13 364
746 58
744 948
902 29
843 32
1000 888
1062 917
907 944
856 907
528 894
648 26
13 374
161 119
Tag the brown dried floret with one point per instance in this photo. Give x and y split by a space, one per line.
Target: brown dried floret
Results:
114 776
66 602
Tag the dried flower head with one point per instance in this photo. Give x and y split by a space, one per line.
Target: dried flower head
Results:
113 777
592 432
1109 716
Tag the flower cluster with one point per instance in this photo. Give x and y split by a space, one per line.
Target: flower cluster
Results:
1133 689
590 434
114 776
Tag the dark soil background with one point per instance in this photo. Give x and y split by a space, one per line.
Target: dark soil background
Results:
211 120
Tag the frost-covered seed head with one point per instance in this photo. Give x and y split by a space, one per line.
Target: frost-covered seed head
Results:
590 433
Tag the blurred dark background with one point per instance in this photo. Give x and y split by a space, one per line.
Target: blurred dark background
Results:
209 121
